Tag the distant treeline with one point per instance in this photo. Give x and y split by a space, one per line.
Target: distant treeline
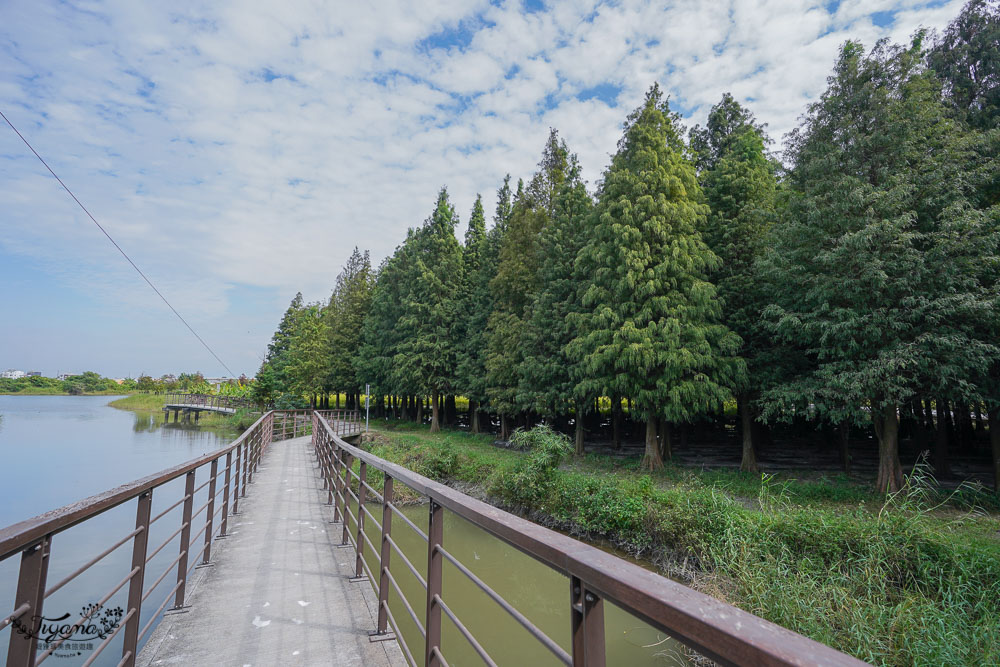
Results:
90 382
853 282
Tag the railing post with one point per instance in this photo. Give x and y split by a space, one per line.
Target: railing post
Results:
139 544
336 454
386 552
347 485
185 540
225 496
362 478
31 590
587 614
432 624
236 480
246 465
210 511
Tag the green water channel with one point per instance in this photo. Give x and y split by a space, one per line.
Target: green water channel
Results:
534 589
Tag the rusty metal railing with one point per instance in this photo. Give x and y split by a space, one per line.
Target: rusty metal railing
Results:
713 628
232 468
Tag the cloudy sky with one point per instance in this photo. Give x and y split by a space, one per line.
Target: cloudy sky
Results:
240 150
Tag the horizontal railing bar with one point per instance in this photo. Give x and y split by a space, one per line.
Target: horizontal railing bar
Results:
440 656
371 576
406 603
86 617
696 619
406 519
168 541
103 645
163 513
21 535
465 632
125 659
399 635
83 568
406 560
170 568
15 614
371 516
375 552
376 493
152 619
534 630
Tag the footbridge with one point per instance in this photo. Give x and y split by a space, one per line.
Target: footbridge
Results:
194 404
296 545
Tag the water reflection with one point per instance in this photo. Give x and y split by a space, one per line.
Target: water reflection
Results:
61 449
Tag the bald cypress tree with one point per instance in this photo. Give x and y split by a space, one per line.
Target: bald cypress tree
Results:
740 186
473 315
516 281
873 261
652 326
547 375
427 352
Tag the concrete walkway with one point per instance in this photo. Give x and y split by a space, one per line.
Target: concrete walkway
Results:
278 592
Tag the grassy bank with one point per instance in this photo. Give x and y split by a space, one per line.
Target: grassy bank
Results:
911 580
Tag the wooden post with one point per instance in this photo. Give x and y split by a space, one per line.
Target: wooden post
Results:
210 511
432 623
185 540
386 552
587 618
360 544
31 590
139 544
225 496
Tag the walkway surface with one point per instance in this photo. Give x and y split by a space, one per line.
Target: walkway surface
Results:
278 592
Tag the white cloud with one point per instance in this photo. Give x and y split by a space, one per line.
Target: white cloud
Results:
257 143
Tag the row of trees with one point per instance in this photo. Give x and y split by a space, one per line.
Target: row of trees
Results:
854 282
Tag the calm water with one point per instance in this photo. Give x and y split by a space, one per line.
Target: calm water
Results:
60 449
538 592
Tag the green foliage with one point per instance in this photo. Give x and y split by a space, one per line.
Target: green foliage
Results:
892 583
344 315
652 327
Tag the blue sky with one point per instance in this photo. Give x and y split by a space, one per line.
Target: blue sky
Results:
239 151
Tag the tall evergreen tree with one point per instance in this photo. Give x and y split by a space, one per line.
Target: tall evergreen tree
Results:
426 354
652 327
473 315
513 287
308 363
867 258
345 314
739 183
967 60
547 375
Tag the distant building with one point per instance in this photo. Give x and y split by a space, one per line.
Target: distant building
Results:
169 378
11 374
216 383
34 374
65 376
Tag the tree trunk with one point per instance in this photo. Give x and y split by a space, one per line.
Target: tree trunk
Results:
504 427
749 462
890 472
578 435
450 410
616 422
651 460
420 410
435 412
666 451
473 416
941 468
845 438
994 419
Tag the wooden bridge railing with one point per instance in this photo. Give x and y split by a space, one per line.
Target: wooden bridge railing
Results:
227 474
210 401
711 627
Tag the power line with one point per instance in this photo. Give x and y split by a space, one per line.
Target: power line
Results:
115 244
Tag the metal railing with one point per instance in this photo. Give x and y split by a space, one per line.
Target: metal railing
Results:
209 401
33 540
710 627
